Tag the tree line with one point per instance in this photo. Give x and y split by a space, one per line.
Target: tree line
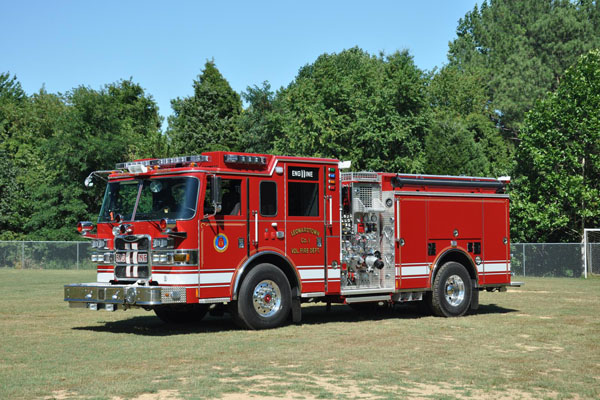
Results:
519 95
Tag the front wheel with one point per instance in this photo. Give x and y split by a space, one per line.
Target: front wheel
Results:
452 290
265 298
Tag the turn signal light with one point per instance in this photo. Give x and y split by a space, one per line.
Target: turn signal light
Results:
167 224
181 257
84 226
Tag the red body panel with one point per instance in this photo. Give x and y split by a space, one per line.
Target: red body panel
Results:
434 219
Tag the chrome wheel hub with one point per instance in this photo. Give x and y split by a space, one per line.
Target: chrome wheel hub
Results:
454 290
266 298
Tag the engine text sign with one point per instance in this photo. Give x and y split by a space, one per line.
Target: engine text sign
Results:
303 174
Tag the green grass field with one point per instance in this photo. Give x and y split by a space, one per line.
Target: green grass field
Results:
538 341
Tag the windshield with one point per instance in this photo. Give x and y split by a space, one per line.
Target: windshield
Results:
173 198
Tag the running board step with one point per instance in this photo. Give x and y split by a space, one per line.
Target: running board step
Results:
366 299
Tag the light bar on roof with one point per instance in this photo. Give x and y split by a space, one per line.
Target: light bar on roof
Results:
239 159
145 163
163 162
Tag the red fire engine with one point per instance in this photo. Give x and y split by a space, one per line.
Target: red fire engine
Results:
261 234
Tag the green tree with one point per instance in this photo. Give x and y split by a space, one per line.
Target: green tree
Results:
557 190
208 120
97 129
452 150
256 121
463 138
354 106
25 123
521 49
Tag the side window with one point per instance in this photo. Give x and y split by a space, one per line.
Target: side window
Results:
231 196
268 199
303 199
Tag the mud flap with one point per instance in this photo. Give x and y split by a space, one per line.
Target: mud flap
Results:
474 296
296 307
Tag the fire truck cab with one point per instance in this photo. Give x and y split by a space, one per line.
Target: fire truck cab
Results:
257 235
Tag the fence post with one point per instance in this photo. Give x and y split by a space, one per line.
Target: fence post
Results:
523 259
23 254
77 256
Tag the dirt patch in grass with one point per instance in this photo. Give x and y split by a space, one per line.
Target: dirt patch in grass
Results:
286 396
61 395
344 389
423 391
160 395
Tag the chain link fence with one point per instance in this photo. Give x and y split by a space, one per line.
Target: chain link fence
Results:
45 255
528 259
547 259
593 258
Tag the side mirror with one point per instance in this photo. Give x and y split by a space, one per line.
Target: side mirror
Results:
216 193
89 182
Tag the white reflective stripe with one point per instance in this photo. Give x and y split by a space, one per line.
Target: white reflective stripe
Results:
212 278
176 279
495 267
480 268
135 271
167 270
416 270
312 274
333 273
128 271
135 257
105 276
134 246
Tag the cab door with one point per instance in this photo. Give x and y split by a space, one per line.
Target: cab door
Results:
267 216
223 237
305 230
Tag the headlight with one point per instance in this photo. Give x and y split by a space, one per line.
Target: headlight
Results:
108 258
99 243
163 243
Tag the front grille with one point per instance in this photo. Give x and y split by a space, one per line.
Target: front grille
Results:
132 272
130 242
132 257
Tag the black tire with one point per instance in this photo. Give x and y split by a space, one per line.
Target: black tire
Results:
265 298
451 295
181 313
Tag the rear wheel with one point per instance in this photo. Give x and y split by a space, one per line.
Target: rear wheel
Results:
265 298
452 290
181 313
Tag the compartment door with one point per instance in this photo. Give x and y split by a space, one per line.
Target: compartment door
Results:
412 246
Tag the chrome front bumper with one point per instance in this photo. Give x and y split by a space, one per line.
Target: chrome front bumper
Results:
101 295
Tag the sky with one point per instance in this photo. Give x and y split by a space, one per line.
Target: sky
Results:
164 45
